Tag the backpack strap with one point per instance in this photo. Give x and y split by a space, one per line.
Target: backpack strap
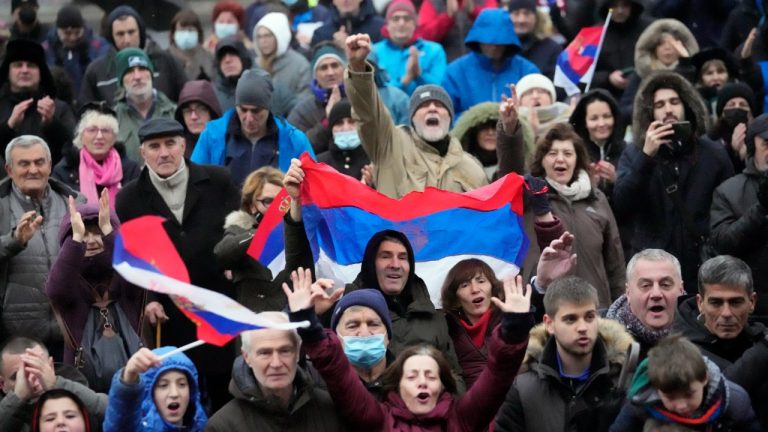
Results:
628 369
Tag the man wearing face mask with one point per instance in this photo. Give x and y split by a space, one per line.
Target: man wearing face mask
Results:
361 320
666 180
344 154
736 106
25 22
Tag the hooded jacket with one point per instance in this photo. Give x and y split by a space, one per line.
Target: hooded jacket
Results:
366 21
542 400
643 402
310 409
100 80
200 91
640 191
435 25
225 87
404 161
289 68
472 78
132 407
74 60
74 278
466 132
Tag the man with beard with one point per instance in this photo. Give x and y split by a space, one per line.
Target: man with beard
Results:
407 158
666 180
25 22
574 359
140 102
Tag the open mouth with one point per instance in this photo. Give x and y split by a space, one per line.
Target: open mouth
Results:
657 309
478 301
174 406
561 170
422 397
433 122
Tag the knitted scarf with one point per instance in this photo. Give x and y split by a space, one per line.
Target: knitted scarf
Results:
107 173
576 191
477 330
620 312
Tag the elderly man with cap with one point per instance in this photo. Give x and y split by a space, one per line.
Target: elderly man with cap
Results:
73 45
410 61
140 102
25 22
407 158
249 137
198 105
739 210
28 103
194 200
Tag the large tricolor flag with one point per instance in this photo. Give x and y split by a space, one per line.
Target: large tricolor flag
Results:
341 215
145 256
576 64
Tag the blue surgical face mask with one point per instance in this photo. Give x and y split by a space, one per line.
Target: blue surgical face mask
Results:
347 140
290 3
185 39
364 351
223 30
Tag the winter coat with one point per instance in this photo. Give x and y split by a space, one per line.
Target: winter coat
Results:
289 68
309 117
132 407
75 280
210 196
200 91
67 170
366 21
405 162
26 309
349 162
597 242
471 358
615 53
435 25
310 409
74 60
643 402
471 412
57 134
705 18
645 59
542 52
130 121
542 400
472 78
394 59
213 145
738 226
198 63
639 180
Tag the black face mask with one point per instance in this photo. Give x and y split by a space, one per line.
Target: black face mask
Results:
734 116
27 14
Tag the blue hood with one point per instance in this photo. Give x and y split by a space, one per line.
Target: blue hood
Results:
492 26
195 417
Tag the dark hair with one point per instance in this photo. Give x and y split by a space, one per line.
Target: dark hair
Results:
186 18
578 117
571 289
18 345
559 132
58 394
674 363
394 373
462 272
725 270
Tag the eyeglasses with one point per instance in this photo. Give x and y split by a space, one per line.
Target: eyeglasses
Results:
266 201
93 130
197 109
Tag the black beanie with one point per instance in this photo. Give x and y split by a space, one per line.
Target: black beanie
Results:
339 112
732 90
522 4
69 17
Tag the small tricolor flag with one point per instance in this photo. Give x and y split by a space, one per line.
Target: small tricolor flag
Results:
576 64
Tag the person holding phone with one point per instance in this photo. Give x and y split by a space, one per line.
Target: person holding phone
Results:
666 179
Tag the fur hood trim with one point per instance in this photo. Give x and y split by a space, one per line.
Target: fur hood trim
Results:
645 57
239 218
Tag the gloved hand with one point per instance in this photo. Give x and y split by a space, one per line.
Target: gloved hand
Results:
762 191
535 190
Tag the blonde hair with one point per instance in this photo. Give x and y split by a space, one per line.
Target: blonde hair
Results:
254 185
90 118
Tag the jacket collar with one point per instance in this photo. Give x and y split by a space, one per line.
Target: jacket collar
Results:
196 175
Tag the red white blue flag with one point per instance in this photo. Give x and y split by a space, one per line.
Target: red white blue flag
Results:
576 64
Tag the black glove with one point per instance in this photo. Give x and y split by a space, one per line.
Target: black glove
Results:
762 191
535 190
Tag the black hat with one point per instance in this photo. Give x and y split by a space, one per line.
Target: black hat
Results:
31 51
160 127
522 4
339 112
16 3
757 127
733 90
69 16
716 53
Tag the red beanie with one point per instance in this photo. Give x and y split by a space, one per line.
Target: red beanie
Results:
401 6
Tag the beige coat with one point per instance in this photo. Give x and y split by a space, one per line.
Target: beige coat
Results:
405 162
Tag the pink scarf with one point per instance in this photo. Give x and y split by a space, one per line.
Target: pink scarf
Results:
108 174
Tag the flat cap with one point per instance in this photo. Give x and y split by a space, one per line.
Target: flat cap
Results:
160 127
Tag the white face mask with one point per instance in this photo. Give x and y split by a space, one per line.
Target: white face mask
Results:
185 39
223 30
346 140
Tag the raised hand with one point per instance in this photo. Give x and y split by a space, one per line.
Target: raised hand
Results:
516 298
451 7
746 49
655 136
556 260
105 224
367 175
78 227
292 183
680 48
340 37
739 140
302 296
40 368
17 115
618 80
333 98
47 109
27 226
323 301
357 48
140 362
508 111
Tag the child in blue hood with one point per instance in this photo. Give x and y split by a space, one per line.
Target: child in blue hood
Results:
151 394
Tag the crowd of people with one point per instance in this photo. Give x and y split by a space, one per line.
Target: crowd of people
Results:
640 304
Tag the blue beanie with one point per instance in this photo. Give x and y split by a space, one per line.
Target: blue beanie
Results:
368 297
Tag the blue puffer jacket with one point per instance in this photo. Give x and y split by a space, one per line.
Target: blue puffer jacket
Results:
132 408
211 147
471 78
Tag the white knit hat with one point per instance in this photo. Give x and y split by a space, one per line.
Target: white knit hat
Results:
532 81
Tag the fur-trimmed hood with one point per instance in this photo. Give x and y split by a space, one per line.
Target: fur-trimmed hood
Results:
645 57
239 218
615 338
476 116
642 116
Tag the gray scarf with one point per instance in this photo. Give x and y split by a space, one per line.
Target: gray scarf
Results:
173 189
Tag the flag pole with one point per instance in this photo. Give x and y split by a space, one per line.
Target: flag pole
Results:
188 346
599 48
